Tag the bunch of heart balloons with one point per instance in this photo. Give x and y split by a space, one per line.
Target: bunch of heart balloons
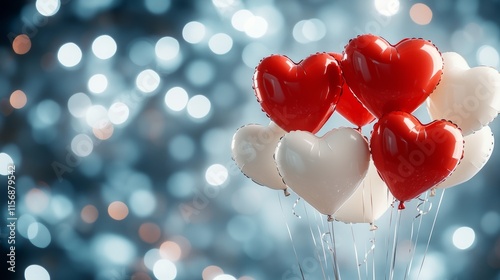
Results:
345 175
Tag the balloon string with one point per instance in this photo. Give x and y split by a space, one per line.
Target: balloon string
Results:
413 245
336 270
368 252
430 234
332 253
395 245
330 249
355 252
321 235
314 242
291 238
420 217
293 208
373 257
423 202
333 250
388 240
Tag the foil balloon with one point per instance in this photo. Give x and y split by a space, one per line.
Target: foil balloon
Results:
387 77
369 202
324 171
477 151
299 96
411 157
253 148
350 107
469 97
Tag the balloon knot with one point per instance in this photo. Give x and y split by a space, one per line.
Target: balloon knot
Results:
373 227
286 192
401 205
330 218
433 192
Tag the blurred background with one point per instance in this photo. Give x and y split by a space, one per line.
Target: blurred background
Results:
118 116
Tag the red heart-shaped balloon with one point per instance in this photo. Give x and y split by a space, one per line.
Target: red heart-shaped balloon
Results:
298 96
388 78
411 157
349 106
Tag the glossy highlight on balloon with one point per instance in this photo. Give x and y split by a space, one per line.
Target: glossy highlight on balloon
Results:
253 149
478 148
298 96
369 202
387 77
324 171
411 157
469 97
350 107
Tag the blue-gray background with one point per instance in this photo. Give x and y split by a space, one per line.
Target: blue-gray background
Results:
172 169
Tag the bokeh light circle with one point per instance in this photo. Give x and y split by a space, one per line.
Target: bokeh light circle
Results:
78 104
193 32
69 55
82 145
216 174
164 270
387 7
310 30
220 43
47 113
98 83
170 250
104 47
256 27
21 44
47 7
6 163
118 113
39 235
117 210
96 116
18 99
421 14
167 48
463 238
176 99
488 56
211 271
157 7
36 272
142 203
113 249
198 106
89 213
142 52
240 18
147 81
149 232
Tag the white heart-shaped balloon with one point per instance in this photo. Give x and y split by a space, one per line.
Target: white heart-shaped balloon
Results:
469 97
477 151
369 202
324 171
253 148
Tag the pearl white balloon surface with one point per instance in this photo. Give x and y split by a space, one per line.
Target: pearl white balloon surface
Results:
469 97
253 150
477 151
324 171
369 202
